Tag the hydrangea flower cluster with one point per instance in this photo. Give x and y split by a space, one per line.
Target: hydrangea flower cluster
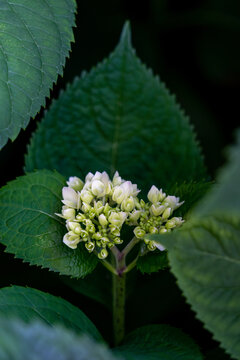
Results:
95 211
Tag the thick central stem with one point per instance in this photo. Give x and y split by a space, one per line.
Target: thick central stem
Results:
119 284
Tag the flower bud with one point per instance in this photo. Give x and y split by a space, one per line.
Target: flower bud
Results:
68 213
71 240
153 194
90 246
80 217
102 220
74 226
86 196
134 216
161 195
151 246
117 240
114 230
117 218
167 212
173 202
103 254
71 198
84 235
128 204
75 183
97 236
86 207
157 209
153 230
98 207
117 180
139 232
162 231
174 222
98 188
104 241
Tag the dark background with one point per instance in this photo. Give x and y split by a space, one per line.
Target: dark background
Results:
194 46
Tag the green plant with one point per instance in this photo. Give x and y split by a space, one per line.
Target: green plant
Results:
117 117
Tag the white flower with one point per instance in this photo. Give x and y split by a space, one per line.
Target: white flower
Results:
123 191
117 180
86 196
134 216
67 213
153 194
71 239
174 222
102 220
128 204
157 209
167 212
73 226
75 183
172 202
117 218
71 198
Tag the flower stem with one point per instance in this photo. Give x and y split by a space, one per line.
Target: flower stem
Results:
119 285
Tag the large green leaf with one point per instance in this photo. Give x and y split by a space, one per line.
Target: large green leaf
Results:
119 116
30 229
35 39
38 341
159 342
205 258
28 304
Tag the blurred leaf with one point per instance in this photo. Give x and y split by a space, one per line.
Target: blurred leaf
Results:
158 342
30 229
35 41
205 257
39 341
118 117
28 304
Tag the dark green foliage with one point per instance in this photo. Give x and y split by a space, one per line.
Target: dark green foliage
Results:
35 41
28 304
118 117
38 341
159 342
153 261
205 257
30 229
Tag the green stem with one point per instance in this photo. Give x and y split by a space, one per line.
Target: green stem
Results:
119 285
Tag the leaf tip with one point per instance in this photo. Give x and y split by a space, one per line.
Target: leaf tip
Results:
125 37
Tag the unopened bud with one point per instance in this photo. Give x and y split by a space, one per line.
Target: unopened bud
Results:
71 240
75 183
153 194
139 232
128 204
103 254
157 209
166 213
151 246
68 214
74 226
102 220
90 246
86 196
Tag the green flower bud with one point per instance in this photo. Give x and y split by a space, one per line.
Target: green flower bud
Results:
162 231
114 230
153 195
161 195
139 232
80 217
90 246
86 207
157 209
104 241
84 235
128 204
151 246
71 239
86 196
74 226
134 216
98 207
103 254
167 212
97 236
153 230
117 218
102 220
117 240
68 214
75 183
